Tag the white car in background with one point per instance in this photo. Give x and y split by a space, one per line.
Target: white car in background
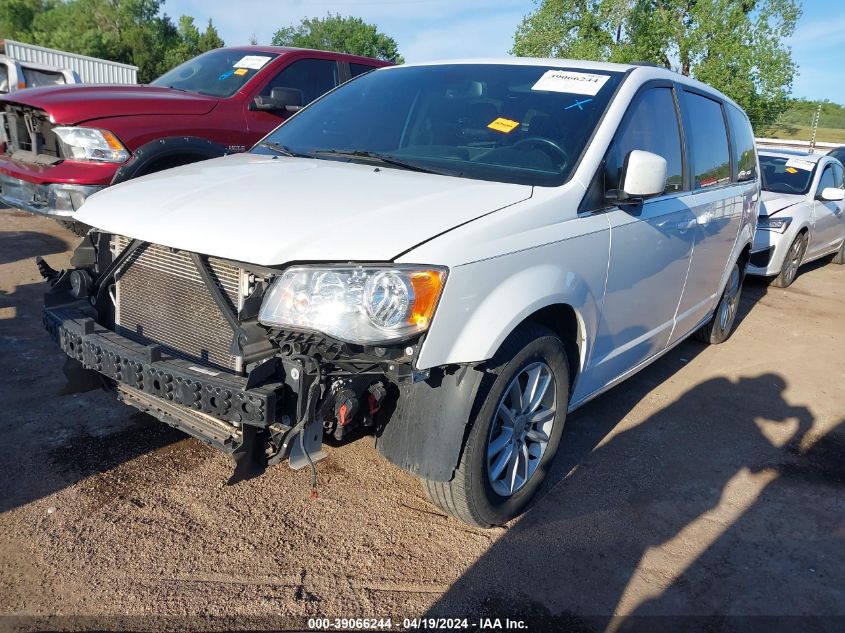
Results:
802 217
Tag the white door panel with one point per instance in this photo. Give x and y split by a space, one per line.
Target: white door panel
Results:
718 215
649 259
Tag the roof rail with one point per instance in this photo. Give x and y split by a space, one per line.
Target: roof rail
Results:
652 64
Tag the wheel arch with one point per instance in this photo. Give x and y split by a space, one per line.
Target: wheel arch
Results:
566 322
167 152
426 432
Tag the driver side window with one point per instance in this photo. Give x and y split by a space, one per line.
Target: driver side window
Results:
651 125
313 77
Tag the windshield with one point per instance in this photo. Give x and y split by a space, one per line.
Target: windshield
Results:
507 123
786 175
218 73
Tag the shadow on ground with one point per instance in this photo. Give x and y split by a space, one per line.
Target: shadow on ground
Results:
20 245
568 564
59 426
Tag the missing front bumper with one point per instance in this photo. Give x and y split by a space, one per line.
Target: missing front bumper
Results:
179 387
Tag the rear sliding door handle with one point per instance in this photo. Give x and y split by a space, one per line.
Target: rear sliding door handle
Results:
686 225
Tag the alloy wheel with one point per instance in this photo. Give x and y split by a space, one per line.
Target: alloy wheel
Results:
521 429
730 302
793 260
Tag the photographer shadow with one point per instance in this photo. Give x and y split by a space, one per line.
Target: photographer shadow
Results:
569 561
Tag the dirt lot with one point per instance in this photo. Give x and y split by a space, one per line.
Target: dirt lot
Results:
710 484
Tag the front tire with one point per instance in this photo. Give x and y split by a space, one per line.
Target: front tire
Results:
720 327
792 261
515 434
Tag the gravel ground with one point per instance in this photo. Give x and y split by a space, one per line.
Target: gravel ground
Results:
710 484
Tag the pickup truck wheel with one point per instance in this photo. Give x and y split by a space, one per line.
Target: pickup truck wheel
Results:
515 434
719 329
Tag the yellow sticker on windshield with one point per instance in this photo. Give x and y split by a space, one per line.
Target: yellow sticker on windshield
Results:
792 170
241 71
503 125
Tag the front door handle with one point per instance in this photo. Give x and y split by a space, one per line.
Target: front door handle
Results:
686 225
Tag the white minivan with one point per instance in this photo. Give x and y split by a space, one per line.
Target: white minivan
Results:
448 256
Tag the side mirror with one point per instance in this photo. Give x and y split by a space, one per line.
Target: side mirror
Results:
280 100
831 194
643 175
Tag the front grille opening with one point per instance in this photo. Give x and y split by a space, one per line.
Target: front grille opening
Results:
19 138
162 299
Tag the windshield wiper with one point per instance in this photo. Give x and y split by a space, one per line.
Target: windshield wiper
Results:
385 159
283 149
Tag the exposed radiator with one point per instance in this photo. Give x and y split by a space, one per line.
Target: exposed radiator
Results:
161 298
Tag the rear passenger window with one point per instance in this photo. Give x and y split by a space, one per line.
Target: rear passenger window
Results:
314 77
710 157
745 155
359 69
651 125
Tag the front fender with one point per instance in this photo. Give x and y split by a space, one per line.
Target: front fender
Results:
484 301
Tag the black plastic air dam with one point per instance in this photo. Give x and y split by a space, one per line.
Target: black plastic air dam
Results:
146 368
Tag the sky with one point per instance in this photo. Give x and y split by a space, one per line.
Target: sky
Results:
446 29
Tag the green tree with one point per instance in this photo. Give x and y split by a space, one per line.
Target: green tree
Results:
340 34
191 42
734 45
16 17
130 31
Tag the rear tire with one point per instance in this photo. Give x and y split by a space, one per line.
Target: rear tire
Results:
515 434
792 262
720 327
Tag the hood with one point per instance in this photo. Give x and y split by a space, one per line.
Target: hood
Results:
77 103
772 202
271 211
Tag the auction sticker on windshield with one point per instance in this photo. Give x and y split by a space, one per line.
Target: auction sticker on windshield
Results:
797 163
251 61
571 82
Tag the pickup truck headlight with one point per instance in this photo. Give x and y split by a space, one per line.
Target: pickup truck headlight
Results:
361 304
88 143
773 224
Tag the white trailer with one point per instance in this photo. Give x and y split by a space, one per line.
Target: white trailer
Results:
26 65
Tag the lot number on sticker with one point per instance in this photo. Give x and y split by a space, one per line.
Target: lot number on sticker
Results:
503 125
571 82
251 61
797 163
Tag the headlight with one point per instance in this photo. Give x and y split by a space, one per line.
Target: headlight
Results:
363 304
773 224
87 143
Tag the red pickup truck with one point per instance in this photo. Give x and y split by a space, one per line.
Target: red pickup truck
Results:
60 144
